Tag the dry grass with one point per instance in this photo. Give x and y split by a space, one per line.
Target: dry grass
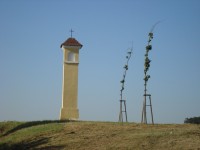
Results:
100 136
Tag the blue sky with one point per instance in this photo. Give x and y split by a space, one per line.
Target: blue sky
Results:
31 59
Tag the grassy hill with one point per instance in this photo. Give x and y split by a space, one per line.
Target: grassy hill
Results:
98 135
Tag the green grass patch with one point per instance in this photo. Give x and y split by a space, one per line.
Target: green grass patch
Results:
97 135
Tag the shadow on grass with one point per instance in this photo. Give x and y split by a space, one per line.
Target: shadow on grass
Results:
34 123
29 145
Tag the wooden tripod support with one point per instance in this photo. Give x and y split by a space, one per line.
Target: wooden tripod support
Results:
144 110
122 110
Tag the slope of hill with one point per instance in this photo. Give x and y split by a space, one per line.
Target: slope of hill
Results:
98 135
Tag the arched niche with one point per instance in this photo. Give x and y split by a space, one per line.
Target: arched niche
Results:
71 57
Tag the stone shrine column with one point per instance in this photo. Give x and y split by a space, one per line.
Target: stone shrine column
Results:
69 110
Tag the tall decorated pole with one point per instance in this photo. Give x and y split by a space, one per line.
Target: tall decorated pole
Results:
122 100
146 78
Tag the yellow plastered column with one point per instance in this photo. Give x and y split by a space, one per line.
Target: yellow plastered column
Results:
69 110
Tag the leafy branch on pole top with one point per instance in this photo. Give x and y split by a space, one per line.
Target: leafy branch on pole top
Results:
129 53
147 60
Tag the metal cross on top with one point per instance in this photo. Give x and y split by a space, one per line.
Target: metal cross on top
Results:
71 32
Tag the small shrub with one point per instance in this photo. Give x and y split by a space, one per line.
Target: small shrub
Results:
193 120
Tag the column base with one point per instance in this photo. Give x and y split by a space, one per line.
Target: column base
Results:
69 114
